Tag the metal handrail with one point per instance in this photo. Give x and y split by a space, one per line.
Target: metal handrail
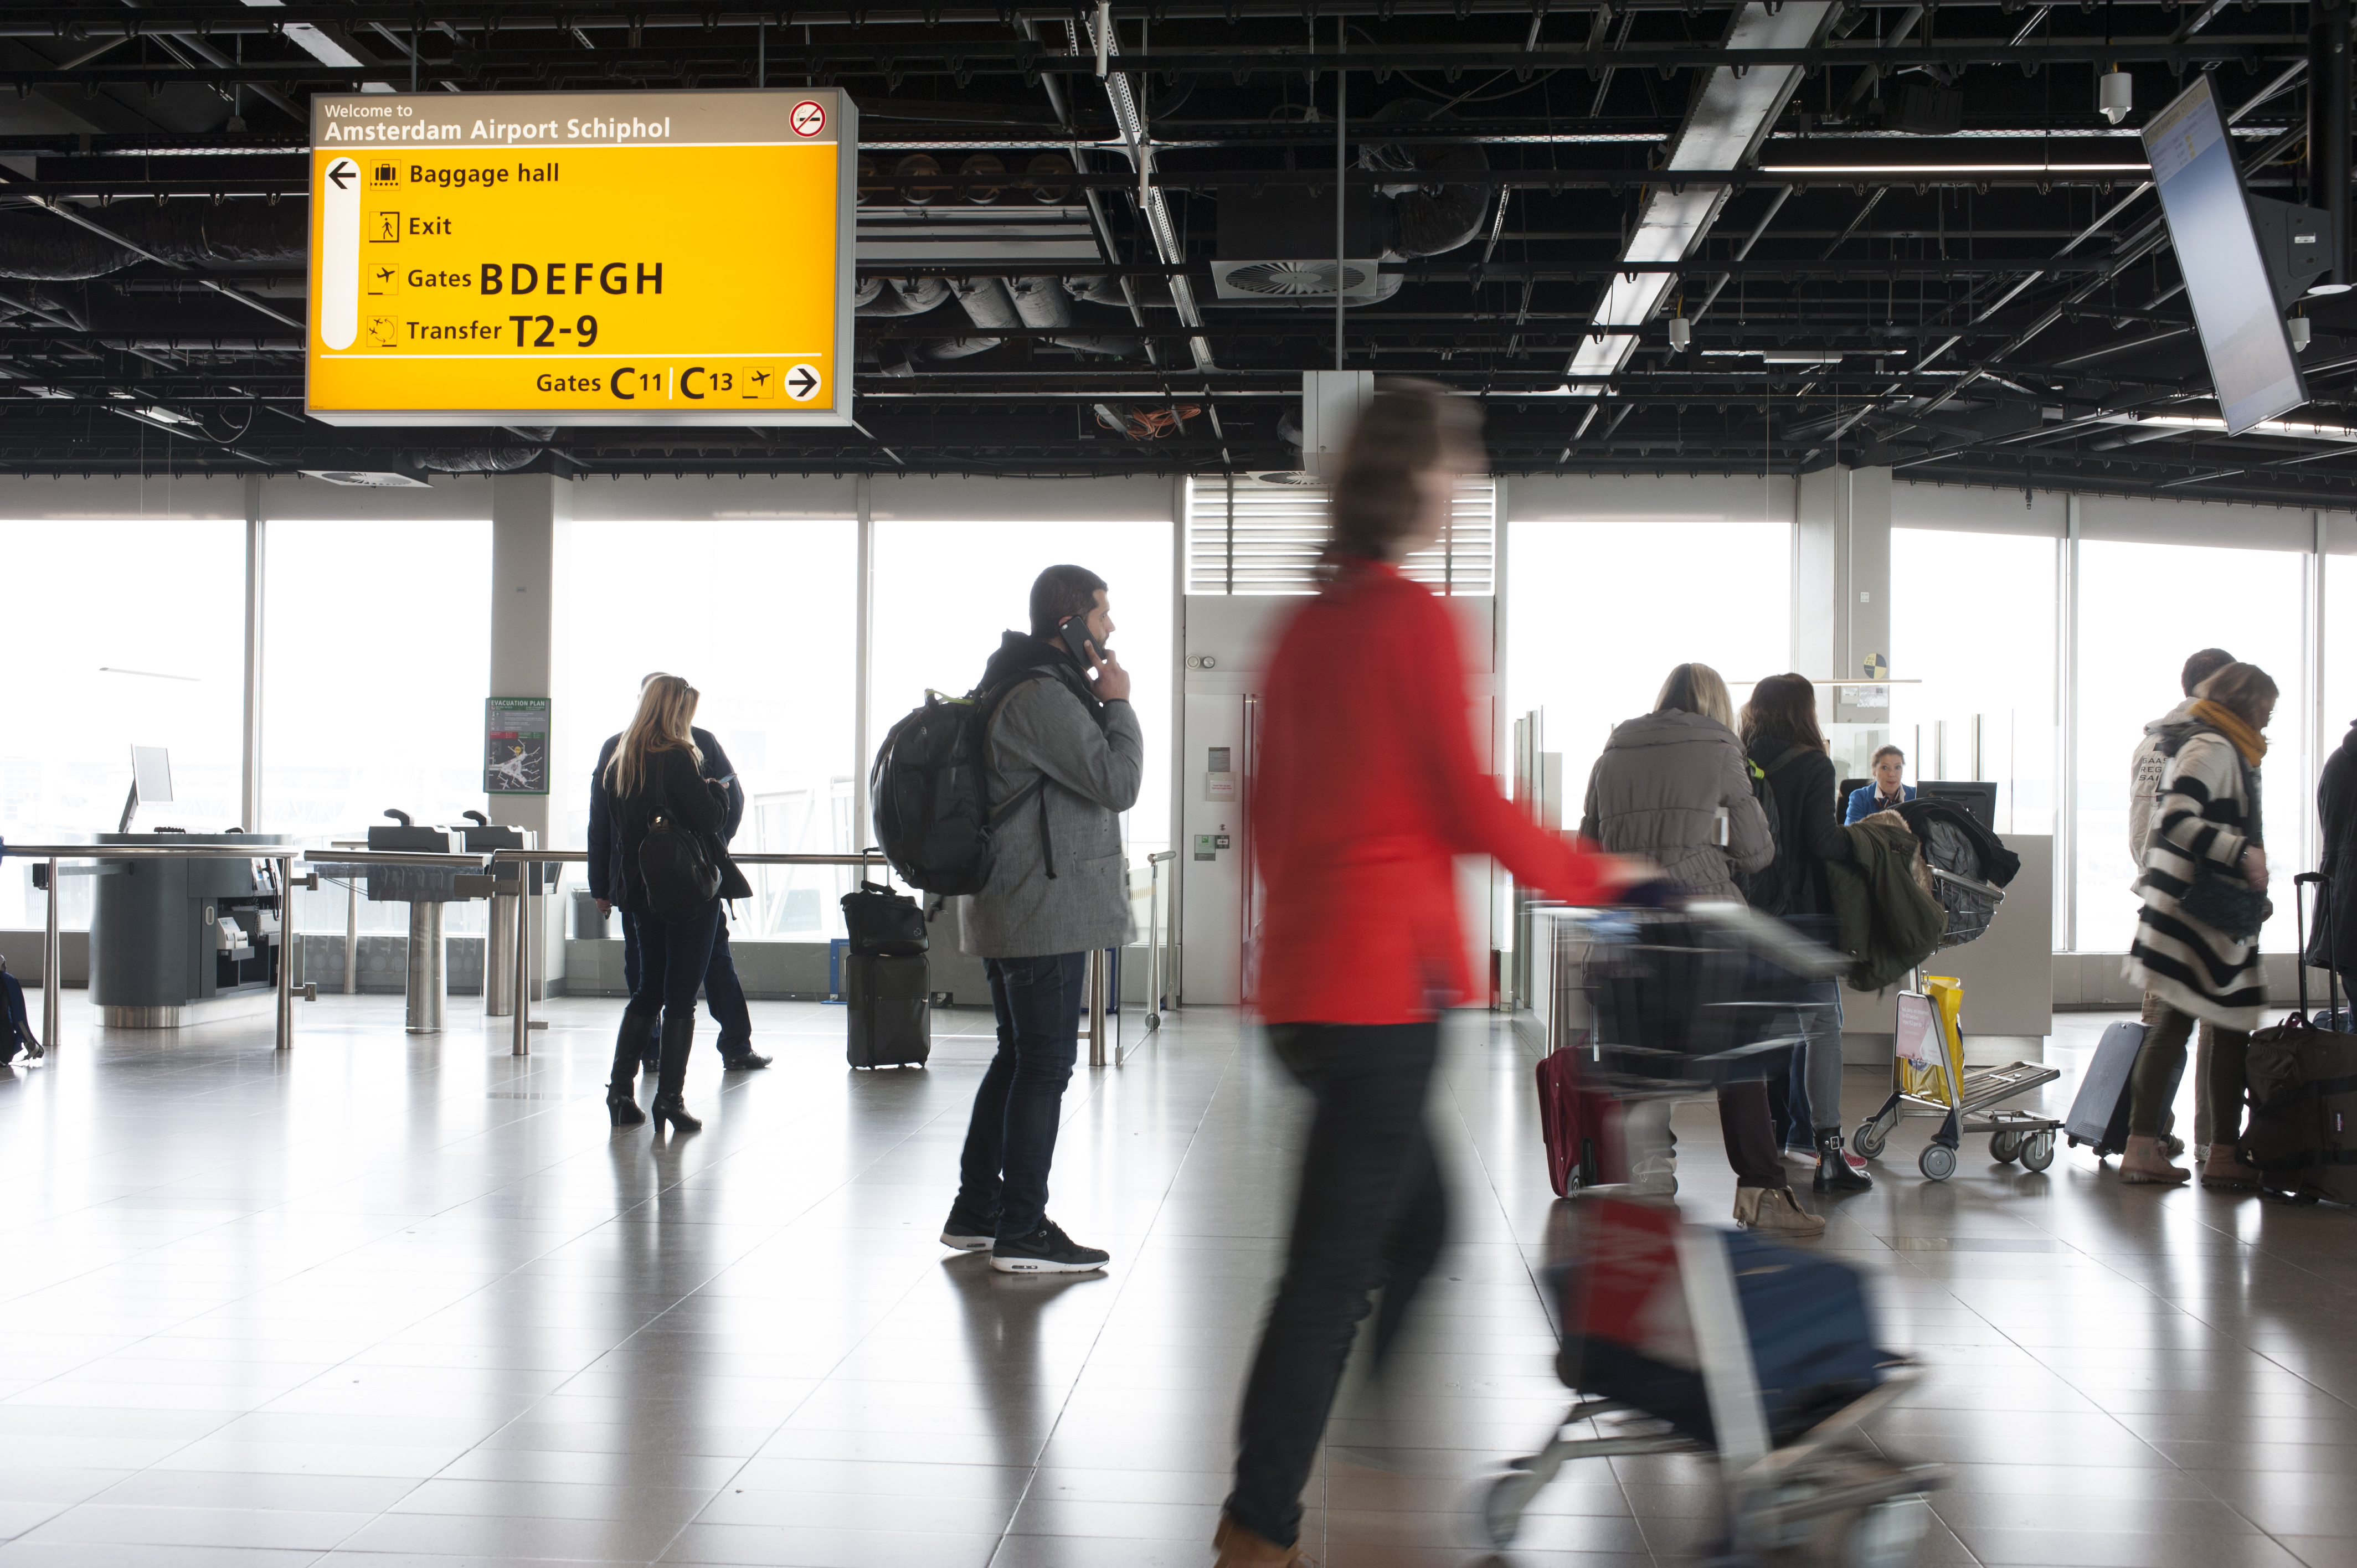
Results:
53 961
521 957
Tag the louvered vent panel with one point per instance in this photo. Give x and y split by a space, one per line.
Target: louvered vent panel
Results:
1249 536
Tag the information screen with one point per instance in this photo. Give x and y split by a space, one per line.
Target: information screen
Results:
2243 333
569 259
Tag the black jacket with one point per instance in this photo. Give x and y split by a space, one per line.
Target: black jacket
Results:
711 801
1809 811
2333 944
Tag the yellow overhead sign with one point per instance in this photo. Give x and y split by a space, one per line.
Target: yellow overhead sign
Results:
582 258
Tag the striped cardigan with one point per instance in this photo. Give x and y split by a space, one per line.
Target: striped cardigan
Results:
2207 814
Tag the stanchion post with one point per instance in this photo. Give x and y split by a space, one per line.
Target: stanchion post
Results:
522 923
285 864
52 965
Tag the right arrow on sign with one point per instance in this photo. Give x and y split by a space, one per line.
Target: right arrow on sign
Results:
801 385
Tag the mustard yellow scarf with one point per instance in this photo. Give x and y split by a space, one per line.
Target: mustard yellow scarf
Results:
2230 723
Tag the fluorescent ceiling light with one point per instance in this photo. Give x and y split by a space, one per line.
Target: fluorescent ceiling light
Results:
1601 358
1956 168
2299 430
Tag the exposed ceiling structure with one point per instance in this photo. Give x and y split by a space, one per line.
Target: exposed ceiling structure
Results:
1653 235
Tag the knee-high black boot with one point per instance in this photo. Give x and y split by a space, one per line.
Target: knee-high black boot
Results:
678 1035
621 1087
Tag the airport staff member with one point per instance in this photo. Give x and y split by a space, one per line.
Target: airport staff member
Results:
723 994
1885 791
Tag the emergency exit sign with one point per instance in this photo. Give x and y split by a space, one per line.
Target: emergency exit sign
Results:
572 259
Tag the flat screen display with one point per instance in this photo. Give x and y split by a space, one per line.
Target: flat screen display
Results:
2218 249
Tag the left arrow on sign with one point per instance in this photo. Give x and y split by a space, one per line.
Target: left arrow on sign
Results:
343 172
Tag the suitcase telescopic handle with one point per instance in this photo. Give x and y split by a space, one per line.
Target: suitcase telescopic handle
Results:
2323 886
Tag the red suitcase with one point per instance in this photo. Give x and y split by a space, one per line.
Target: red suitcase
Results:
1582 1127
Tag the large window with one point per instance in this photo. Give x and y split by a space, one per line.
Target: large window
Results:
377 650
761 616
1598 614
122 632
1972 644
2142 609
945 591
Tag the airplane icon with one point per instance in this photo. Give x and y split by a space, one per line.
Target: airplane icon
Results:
759 382
381 281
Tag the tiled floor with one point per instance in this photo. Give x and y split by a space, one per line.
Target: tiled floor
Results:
400 1303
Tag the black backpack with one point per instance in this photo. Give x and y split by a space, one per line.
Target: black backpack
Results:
1770 889
929 791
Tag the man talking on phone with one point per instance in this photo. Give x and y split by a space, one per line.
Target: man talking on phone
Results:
1064 759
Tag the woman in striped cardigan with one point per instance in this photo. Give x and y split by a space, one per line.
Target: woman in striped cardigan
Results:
2208 828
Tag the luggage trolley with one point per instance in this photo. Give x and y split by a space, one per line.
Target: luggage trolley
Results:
1930 1079
1680 1338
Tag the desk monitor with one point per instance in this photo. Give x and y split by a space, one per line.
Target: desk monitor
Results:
1978 795
151 781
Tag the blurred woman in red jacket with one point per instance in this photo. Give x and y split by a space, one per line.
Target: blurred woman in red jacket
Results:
1368 787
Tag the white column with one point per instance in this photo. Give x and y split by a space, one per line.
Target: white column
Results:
250 752
2066 725
863 664
1841 572
532 516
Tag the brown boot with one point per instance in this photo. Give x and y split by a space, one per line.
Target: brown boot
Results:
1774 1212
2143 1164
1239 1548
2225 1171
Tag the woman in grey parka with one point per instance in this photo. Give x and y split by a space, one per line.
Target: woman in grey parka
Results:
1659 792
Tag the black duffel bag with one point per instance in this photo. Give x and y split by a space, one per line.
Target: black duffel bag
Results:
883 923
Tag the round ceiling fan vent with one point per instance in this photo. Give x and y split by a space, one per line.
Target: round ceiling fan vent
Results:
1293 279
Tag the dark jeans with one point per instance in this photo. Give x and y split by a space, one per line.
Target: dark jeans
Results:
1750 1135
1011 1140
1371 1212
673 958
723 993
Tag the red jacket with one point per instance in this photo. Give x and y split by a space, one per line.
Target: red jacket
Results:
1367 787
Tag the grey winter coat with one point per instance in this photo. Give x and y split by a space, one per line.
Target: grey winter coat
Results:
1657 791
2146 763
1092 772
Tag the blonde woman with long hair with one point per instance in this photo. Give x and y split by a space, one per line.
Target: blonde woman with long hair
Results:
656 772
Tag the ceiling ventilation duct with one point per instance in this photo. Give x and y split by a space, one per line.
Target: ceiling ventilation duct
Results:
1275 248
35 244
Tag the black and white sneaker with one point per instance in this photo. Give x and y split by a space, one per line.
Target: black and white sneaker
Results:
1046 1251
967 1233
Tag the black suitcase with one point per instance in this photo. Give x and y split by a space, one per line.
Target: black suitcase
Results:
2301 1083
889 1003
2099 1116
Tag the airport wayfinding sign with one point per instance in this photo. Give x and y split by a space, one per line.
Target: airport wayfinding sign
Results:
572 258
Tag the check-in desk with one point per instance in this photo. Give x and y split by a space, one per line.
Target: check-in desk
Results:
181 941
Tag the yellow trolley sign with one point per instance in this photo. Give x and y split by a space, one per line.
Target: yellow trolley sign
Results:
569 258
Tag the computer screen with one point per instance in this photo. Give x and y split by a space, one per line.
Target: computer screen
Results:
151 770
2233 299
1976 796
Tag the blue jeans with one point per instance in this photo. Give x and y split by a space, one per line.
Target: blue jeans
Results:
723 994
1011 1141
673 958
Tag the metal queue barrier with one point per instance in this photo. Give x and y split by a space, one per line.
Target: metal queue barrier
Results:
478 865
282 856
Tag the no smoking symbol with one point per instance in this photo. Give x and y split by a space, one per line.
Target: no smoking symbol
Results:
809 118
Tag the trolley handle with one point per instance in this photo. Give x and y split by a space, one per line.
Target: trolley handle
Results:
2322 883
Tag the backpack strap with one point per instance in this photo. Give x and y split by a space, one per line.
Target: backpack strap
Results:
1778 765
998 699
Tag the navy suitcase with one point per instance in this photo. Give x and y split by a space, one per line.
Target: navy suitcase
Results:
890 1008
2099 1116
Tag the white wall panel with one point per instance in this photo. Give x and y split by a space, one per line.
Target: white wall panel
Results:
1145 497
1976 509
2139 521
790 497
1680 497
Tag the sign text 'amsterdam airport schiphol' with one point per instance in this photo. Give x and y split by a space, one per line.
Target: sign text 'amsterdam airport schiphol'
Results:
569 258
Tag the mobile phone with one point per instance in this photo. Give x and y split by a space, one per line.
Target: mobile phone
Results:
1075 632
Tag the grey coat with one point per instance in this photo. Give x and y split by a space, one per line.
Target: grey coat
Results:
1657 791
1092 777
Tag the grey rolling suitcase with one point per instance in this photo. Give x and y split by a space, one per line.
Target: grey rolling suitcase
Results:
2099 1116
891 1009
